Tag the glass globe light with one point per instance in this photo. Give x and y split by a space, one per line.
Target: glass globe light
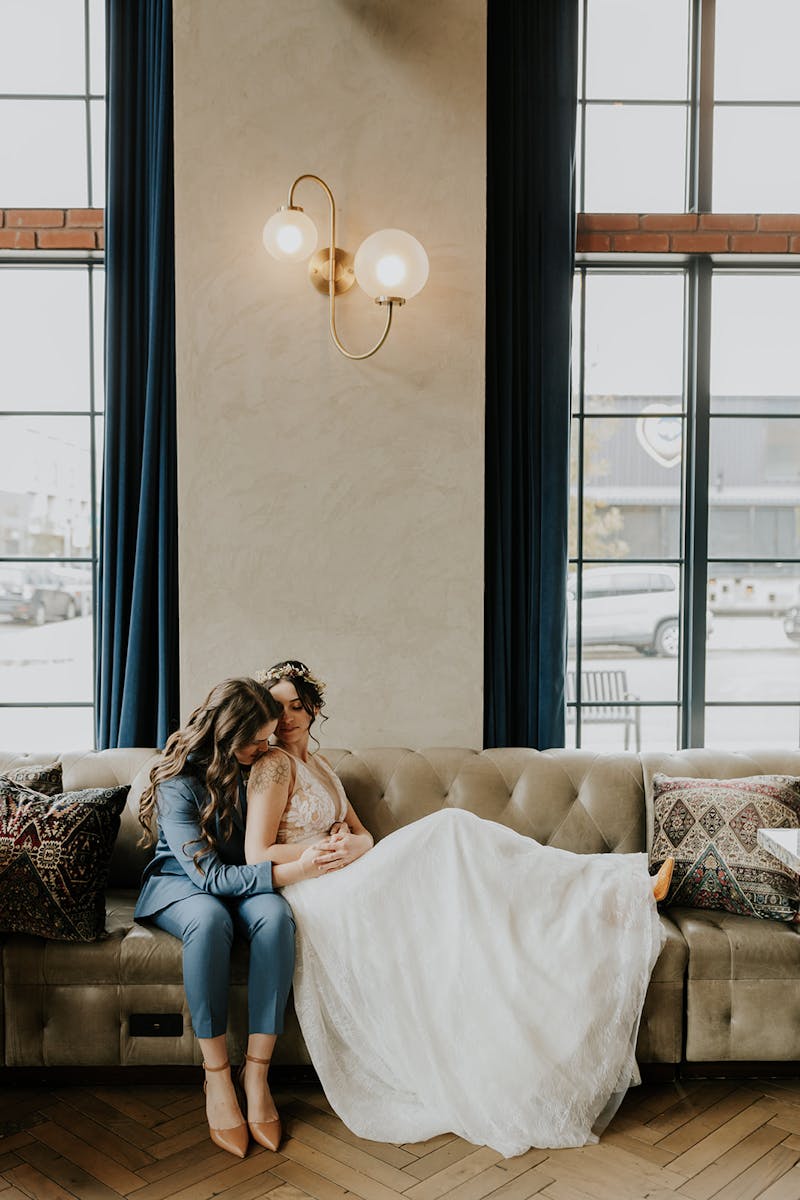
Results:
391 263
290 235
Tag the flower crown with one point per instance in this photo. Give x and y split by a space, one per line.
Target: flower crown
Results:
291 670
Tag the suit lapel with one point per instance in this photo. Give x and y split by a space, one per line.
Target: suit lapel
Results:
240 813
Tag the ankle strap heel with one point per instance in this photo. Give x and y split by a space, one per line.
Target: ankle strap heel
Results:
267 1133
233 1140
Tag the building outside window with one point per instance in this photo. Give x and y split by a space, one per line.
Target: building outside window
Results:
52 128
684 582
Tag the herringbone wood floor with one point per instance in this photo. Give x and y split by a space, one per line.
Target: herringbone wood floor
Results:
693 1141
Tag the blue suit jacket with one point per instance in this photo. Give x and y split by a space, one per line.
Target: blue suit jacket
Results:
172 875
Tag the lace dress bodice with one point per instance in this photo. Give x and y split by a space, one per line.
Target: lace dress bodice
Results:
314 805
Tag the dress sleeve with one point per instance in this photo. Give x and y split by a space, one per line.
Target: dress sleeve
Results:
178 817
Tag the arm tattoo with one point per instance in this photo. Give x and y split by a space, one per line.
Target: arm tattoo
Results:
272 768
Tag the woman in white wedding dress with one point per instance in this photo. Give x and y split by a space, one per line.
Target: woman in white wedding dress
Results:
459 977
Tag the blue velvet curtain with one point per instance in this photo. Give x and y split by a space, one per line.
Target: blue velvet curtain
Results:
531 110
137 700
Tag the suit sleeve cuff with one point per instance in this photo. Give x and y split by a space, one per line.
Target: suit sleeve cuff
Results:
264 876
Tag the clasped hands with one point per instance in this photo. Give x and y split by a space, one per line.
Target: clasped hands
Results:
335 851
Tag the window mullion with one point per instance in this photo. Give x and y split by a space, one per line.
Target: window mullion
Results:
695 583
93 480
579 516
582 112
704 101
87 107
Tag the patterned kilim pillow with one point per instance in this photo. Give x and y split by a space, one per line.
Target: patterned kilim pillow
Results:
47 780
711 827
54 857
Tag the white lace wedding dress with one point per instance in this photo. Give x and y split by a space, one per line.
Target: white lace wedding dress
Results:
462 978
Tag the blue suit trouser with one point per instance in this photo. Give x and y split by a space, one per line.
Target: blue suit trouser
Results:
206 924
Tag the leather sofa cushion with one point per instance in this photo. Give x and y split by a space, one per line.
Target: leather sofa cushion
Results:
742 989
134 953
671 964
56 992
725 946
130 953
660 1037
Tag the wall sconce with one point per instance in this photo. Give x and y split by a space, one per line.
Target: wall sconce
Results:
391 265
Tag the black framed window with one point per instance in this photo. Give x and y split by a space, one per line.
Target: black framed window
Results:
756 117
52 106
634 110
675 95
686 414
51 350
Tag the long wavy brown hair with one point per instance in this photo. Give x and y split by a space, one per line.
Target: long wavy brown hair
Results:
229 718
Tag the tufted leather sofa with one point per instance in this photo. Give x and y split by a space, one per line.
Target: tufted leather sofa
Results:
725 989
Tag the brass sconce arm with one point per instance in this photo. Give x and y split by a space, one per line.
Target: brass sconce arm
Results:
345 262
390 266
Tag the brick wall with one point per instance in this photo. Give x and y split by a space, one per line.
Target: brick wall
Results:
51 229
689 233
609 233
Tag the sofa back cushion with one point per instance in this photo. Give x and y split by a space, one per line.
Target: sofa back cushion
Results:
573 799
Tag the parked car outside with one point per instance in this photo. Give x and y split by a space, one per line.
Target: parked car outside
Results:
791 623
40 594
629 605
77 581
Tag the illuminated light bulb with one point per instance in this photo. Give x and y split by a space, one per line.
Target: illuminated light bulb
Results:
392 264
290 235
391 270
290 239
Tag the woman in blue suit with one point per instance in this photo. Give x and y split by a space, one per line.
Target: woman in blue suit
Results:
199 888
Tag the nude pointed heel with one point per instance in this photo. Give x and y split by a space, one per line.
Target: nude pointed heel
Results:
267 1133
663 879
234 1140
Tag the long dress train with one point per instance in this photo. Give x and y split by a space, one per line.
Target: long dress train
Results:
463 978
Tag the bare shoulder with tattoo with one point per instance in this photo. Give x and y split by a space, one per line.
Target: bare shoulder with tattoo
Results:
272 768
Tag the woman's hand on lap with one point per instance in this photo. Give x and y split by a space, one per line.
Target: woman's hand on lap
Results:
311 862
343 848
